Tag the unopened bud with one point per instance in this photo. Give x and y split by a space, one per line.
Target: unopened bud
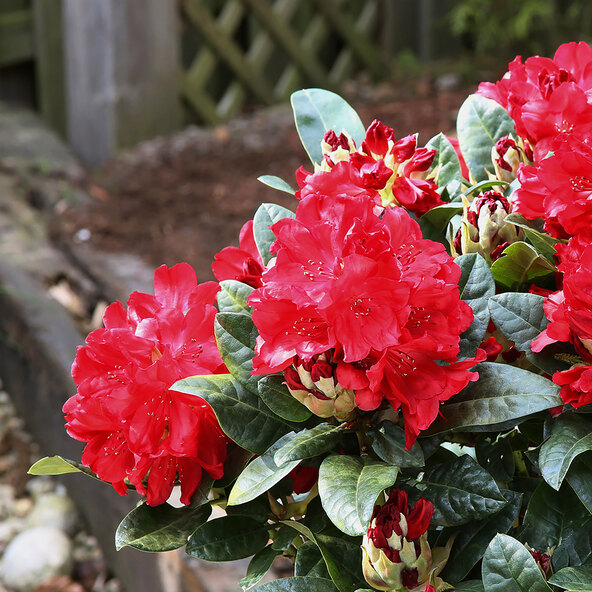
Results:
507 155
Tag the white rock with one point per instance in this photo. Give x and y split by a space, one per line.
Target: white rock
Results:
54 509
34 556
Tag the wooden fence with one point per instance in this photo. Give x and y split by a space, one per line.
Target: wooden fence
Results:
237 51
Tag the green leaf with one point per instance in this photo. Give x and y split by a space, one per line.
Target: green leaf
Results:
579 478
571 435
502 394
265 217
509 567
297 584
309 443
573 578
260 475
317 111
476 284
481 123
57 465
388 442
236 335
310 562
277 397
519 265
258 567
233 297
243 416
349 487
228 538
276 183
469 586
474 538
159 528
441 215
461 491
541 241
446 164
483 186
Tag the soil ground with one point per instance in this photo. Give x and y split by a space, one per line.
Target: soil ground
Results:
185 197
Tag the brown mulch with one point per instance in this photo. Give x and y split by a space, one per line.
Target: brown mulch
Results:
185 197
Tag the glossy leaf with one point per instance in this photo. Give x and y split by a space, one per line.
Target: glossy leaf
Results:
441 215
544 243
277 183
388 442
236 335
159 528
461 491
309 443
243 416
310 562
474 538
520 265
228 538
579 478
266 216
502 394
260 475
481 123
233 297
349 487
296 584
571 435
258 567
445 166
317 111
573 578
277 397
476 284
509 567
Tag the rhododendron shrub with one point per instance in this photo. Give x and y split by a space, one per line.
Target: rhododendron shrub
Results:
390 384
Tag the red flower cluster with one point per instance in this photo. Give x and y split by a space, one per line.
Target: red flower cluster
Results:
570 314
137 429
392 171
360 284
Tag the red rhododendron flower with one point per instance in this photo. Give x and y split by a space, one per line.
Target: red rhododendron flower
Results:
135 427
243 263
376 299
392 172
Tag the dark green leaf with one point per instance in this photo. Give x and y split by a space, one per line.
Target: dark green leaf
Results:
574 578
159 528
283 538
233 297
227 539
277 397
317 111
497 456
579 478
541 241
509 567
309 443
388 441
296 584
258 567
236 335
276 183
469 586
310 562
474 538
471 339
265 217
571 435
519 265
260 475
257 509
461 491
445 166
242 415
481 123
502 394
476 284
441 215
349 487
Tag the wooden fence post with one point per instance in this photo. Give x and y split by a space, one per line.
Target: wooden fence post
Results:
122 73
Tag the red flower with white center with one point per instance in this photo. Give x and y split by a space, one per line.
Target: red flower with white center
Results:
559 189
135 427
377 299
570 320
392 172
242 263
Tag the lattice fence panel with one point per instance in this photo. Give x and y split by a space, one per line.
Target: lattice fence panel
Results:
238 53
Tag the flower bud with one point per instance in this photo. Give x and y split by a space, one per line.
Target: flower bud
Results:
335 149
315 385
484 229
397 556
507 155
